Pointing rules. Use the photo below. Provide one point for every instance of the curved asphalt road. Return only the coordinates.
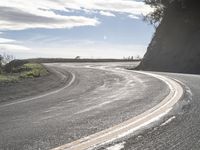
(178, 131)
(97, 97)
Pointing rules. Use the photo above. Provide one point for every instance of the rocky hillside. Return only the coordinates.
(175, 46)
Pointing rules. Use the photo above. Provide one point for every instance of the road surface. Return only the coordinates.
(97, 97)
(178, 131)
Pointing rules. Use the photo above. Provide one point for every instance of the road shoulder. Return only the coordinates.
(14, 91)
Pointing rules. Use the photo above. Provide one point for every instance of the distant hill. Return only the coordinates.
(70, 60)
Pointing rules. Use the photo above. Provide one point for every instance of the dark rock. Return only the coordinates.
(175, 46)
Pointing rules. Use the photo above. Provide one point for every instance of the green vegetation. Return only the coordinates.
(27, 70)
(8, 78)
(32, 70)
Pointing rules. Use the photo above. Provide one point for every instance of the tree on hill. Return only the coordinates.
(5, 59)
(1, 58)
(163, 7)
(77, 57)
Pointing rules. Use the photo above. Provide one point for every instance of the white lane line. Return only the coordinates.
(120, 130)
(43, 95)
(168, 121)
(118, 146)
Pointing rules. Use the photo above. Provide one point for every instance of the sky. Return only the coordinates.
(70, 28)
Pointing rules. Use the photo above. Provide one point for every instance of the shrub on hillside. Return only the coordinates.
(14, 65)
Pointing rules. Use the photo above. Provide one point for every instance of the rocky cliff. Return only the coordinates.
(175, 46)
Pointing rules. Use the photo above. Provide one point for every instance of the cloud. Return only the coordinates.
(13, 47)
(19, 15)
(106, 13)
(133, 17)
(118, 6)
(4, 40)
(25, 14)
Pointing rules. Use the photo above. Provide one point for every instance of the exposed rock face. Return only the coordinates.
(175, 46)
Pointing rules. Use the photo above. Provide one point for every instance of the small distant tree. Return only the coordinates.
(1, 58)
(138, 57)
(77, 57)
(6, 58)
(132, 58)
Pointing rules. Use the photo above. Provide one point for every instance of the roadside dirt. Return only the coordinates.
(32, 87)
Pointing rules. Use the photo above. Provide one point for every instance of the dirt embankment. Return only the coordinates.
(175, 46)
(33, 86)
